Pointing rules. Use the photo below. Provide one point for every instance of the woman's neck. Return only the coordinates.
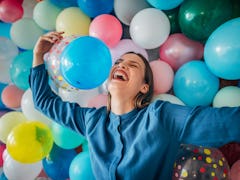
(121, 106)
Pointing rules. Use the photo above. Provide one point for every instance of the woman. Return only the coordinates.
(132, 138)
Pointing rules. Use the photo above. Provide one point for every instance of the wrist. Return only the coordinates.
(37, 59)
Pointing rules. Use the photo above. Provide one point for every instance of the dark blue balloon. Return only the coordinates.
(56, 164)
(93, 8)
(85, 63)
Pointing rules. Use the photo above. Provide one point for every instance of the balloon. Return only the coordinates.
(8, 121)
(81, 97)
(168, 97)
(198, 162)
(2, 86)
(173, 18)
(25, 33)
(221, 52)
(228, 96)
(231, 151)
(124, 46)
(149, 28)
(29, 110)
(165, 5)
(29, 142)
(198, 19)
(45, 15)
(235, 170)
(94, 8)
(56, 164)
(179, 49)
(5, 29)
(82, 68)
(28, 7)
(72, 21)
(2, 148)
(10, 11)
(15, 170)
(98, 101)
(61, 136)
(80, 167)
(106, 23)
(236, 8)
(4, 69)
(20, 69)
(8, 49)
(64, 3)
(194, 84)
(162, 76)
(11, 96)
(126, 9)
(52, 61)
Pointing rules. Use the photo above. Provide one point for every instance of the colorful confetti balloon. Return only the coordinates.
(197, 162)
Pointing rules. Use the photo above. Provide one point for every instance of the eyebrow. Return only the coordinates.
(131, 61)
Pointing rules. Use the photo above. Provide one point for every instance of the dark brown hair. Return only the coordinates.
(141, 99)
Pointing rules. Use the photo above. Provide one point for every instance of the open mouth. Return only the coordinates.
(120, 75)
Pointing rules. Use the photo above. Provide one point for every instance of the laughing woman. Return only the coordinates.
(133, 137)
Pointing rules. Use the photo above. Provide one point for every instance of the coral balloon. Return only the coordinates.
(98, 101)
(221, 52)
(72, 21)
(11, 96)
(162, 76)
(149, 28)
(10, 11)
(179, 49)
(235, 170)
(29, 142)
(106, 23)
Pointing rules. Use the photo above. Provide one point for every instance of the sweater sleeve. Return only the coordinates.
(47, 102)
(202, 125)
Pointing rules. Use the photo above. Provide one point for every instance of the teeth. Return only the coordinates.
(119, 75)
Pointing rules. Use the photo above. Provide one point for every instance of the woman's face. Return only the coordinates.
(127, 75)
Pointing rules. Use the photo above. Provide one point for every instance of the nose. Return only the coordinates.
(122, 65)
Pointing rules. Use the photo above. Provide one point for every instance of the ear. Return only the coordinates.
(144, 88)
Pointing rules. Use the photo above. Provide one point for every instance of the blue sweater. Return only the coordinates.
(143, 143)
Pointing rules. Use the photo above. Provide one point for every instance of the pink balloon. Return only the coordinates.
(98, 101)
(11, 96)
(107, 28)
(126, 45)
(163, 76)
(179, 49)
(235, 171)
(10, 11)
(2, 148)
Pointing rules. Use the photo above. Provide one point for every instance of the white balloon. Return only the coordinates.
(30, 111)
(81, 97)
(8, 49)
(168, 97)
(15, 170)
(150, 28)
(126, 9)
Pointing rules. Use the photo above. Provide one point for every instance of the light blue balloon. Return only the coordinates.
(93, 8)
(80, 167)
(222, 50)
(64, 3)
(165, 5)
(85, 63)
(194, 84)
(5, 29)
(20, 69)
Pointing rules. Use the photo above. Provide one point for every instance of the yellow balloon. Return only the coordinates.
(30, 142)
(8, 121)
(73, 22)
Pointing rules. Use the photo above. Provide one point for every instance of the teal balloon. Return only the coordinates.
(222, 50)
(199, 18)
(85, 63)
(65, 137)
(20, 69)
(194, 84)
(165, 5)
(80, 167)
(5, 29)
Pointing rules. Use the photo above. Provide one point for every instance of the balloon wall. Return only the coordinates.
(192, 46)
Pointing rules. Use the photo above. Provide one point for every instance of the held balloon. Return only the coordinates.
(85, 62)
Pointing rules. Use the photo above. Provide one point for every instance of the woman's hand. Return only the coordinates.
(44, 44)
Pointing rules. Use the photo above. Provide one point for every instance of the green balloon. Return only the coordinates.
(173, 18)
(236, 8)
(199, 18)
